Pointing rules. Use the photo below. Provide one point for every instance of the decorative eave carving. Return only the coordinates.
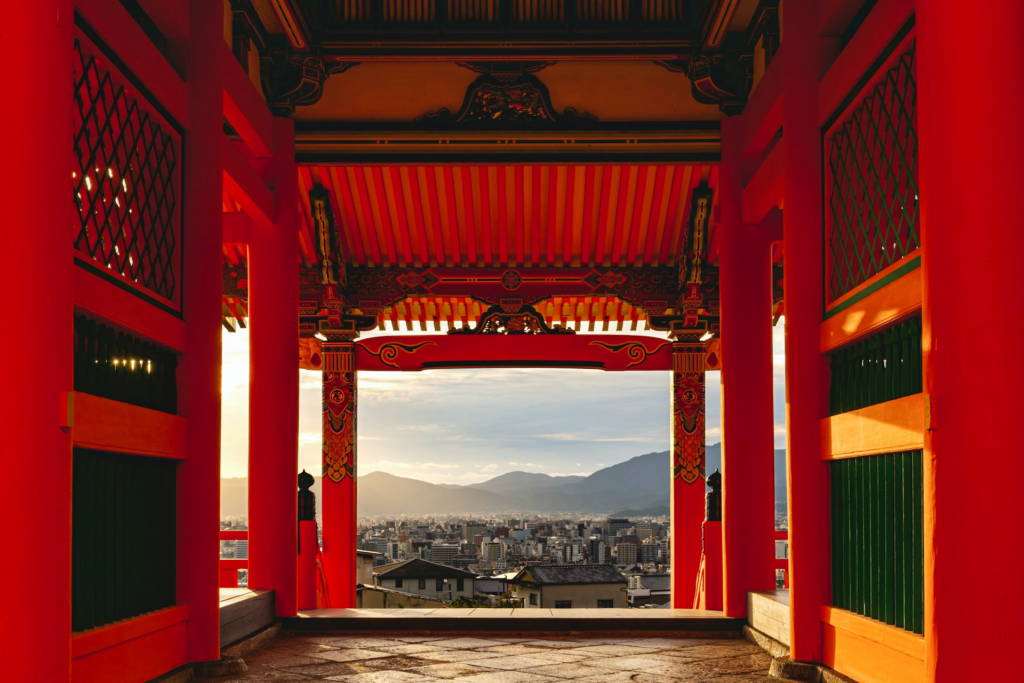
(373, 289)
(723, 79)
(521, 320)
(332, 264)
(507, 100)
(294, 79)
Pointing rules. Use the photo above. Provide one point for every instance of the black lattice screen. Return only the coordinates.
(872, 219)
(126, 179)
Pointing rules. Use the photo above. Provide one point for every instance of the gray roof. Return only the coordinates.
(656, 582)
(421, 569)
(570, 574)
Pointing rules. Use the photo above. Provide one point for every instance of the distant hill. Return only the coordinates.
(638, 487)
(524, 480)
(657, 511)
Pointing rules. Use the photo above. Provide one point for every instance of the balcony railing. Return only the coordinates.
(230, 566)
(782, 559)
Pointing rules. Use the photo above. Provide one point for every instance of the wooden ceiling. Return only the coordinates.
(507, 215)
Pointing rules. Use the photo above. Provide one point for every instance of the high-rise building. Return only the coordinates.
(443, 553)
(614, 525)
(625, 553)
(492, 552)
(649, 552)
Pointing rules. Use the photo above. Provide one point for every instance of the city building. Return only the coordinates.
(625, 552)
(428, 579)
(570, 587)
(444, 553)
(649, 590)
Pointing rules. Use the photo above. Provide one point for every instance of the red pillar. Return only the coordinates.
(36, 215)
(687, 468)
(748, 469)
(306, 565)
(274, 383)
(338, 496)
(199, 371)
(806, 368)
(971, 150)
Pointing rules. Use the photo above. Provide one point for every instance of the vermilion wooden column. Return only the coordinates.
(748, 470)
(274, 383)
(971, 152)
(338, 497)
(806, 368)
(36, 218)
(198, 553)
(687, 467)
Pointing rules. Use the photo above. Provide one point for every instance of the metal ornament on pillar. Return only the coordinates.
(688, 359)
(339, 410)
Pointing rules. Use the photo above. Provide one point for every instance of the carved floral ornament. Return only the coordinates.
(502, 320)
(503, 100)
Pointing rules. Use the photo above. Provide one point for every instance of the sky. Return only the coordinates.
(466, 426)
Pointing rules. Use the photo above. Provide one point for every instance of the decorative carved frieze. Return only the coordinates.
(500, 99)
(372, 289)
(496, 320)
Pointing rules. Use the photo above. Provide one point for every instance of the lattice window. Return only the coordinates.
(872, 218)
(126, 180)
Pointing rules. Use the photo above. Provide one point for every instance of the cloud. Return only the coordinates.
(492, 466)
(525, 464)
(310, 437)
(563, 436)
(390, 464)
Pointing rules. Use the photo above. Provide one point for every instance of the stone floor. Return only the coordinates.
(422, 659)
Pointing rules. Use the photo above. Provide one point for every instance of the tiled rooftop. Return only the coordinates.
(423, 659)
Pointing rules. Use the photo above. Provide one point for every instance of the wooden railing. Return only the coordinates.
(229, 566)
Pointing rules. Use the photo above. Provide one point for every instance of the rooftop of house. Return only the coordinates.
(656, 582)
(420, 569)
(569, 575)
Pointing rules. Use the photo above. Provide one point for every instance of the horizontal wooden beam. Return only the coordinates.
(105, 425)
(887, 298)
(625, 142)
(861, 55)
(130, 43)
(244, 107)
(764, 191)
(762, 117)
(870, 651)
(244, 184)
(123, 631)
(890, 427)
(115, 304)
(583, 351)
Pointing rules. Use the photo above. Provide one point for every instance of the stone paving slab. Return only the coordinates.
(297, 656)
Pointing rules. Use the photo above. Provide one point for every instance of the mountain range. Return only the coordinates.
(638, 487)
